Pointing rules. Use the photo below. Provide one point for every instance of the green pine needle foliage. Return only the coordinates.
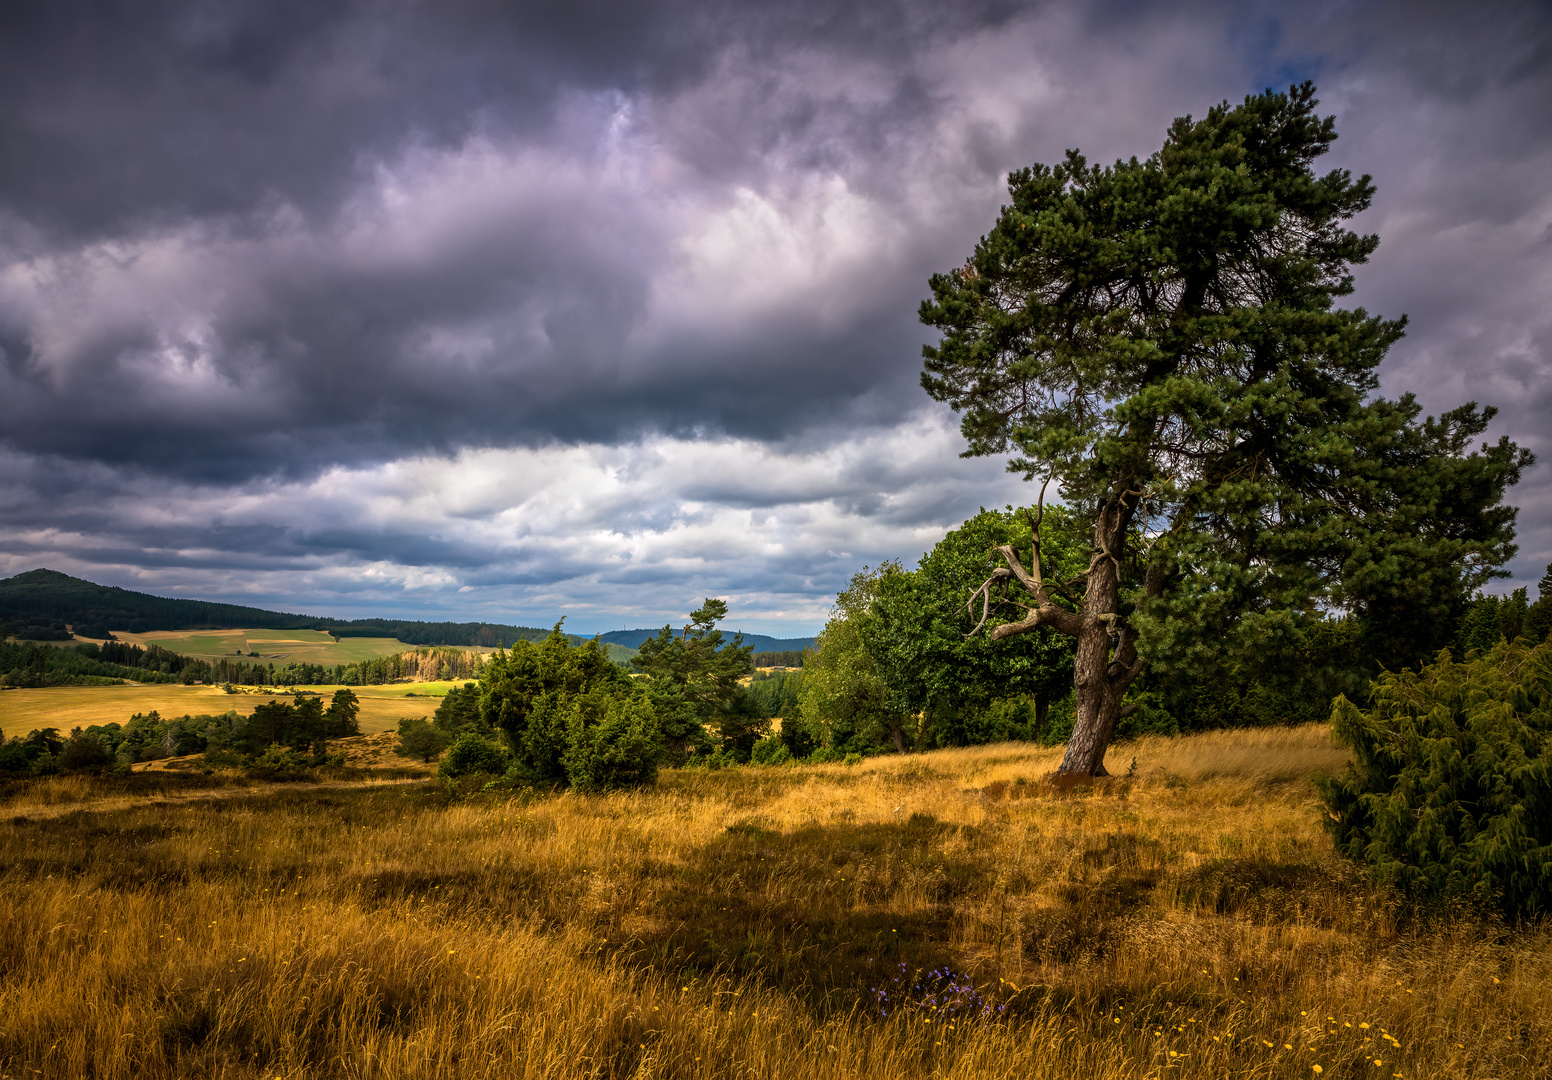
(471, 754)
(1449, 793)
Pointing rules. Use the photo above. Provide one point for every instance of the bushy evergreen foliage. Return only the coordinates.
(1487, 618)
(697, 677)
(460, 711)
(471, 754)
(530, 693)
(418, 738)
(770, 751)
(1291, 680)
(615, 742)
(1450, 790)
(778, 693)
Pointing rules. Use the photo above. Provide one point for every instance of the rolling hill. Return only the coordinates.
(43, 598)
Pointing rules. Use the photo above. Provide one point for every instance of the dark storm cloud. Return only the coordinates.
(211, 190)
(346, 299)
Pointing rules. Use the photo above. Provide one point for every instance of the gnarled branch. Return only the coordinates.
(1044, 611)
(985, 593)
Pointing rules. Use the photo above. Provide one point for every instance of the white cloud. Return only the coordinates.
(637, 532)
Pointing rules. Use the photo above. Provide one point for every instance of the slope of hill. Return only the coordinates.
(41, 597)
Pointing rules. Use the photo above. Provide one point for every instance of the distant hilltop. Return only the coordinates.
(41, 602)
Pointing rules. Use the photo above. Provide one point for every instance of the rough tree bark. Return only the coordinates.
(1106, 661)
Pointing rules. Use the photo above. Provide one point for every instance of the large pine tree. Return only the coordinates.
(1160, 338)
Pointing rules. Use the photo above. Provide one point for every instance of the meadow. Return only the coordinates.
(950, 914)
(67, 707)
(291, 646)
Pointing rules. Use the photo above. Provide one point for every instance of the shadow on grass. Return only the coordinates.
(810, 911)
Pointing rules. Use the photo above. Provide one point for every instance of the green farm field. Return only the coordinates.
(67, 707)
(300, 646)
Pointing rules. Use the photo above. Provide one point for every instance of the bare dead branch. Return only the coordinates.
(985, 593)
(1034, 584)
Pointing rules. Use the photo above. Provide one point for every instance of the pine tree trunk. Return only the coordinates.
(1097, 698)
(1098, 707)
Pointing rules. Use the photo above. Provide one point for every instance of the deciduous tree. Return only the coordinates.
(917, 630)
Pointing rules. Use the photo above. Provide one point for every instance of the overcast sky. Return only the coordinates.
(594, 308)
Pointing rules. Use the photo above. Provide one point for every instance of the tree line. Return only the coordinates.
(561, 713)
(277, 735)
(30, 664)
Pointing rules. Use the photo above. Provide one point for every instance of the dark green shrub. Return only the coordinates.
(615, 743)
(1450, 790)
(528, 693)
(277, 763)
(84, 753)
(770, 751)
(460, 711)
(471, 754)
(222, 759)
(419, 738)
(13, 758)
(708, 759)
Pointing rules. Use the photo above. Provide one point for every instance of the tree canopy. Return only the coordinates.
(533, 692)
(918, 621)
(696, 682)
(1160, 338)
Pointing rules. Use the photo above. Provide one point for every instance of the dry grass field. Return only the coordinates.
(67, 707)
(1189, 920)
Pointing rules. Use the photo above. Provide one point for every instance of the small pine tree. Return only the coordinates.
(1450, 789)
(341, 717)
(1538, 622)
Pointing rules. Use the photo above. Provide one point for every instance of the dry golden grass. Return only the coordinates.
(1187, 921)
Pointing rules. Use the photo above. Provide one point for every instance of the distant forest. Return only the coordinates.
(779, 658)
(39, 604)
(34, 664)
